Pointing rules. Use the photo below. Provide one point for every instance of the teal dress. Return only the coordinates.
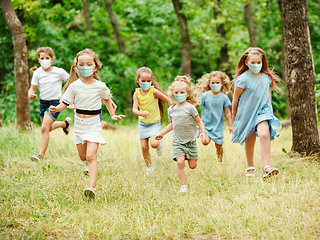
(213, 115)
(254, 107)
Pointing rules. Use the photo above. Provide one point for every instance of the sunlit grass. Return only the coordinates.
(44, 199)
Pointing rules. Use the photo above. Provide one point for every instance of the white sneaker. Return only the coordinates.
(149, 170)
(183, 188)
(160, 149)
(90, 193)
(86, 171)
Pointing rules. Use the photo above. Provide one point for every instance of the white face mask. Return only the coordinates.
(45, 63)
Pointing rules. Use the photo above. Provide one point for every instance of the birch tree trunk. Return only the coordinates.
(20, 64)
(250, 24)
(185, 39)
(299, 70)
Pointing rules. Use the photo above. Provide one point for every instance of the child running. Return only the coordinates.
(86, 94)
(150, 99)
(213, 88)
(183, 120)
(49, 80)
(252, 110)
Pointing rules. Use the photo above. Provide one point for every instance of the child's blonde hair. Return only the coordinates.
(154, 83)
(191, 90)
(242, 67)
(204, 82)
(47, 50)
(95, 56)
(72, 77)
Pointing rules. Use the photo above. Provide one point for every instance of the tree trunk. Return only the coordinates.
(224, 64)
(114, 23)
(20, 64)
(250, 25)
(299, 70)
(185, 40)
(282, 64)
(87, 14)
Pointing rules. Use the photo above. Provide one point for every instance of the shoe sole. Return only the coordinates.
(35, 159)
(273, 172)
(89, 194)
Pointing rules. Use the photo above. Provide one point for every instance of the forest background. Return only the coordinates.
(151, 37)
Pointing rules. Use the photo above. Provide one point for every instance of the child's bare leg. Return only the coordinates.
(180, 166)
(219, 152)
(192, 163)
(58, 124)
(265, 144)
(91, 158)
(153, 142)
(249, 149)
(145, 151)
(205, 140)
(47, 122)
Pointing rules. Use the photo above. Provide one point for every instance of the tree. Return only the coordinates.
(114, 23)
(20, 64)
(250, 24)
(185, 40)
(87, 14)
(299, 70)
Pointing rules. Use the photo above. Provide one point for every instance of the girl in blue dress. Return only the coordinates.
(213, 88)
(252, 110)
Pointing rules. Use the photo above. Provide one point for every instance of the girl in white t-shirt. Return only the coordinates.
(86, 94)
(49, 80)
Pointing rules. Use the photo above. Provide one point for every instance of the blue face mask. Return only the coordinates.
(255, 68)
(215, 87)
(145, 85)
(85, 71)
(180, 97)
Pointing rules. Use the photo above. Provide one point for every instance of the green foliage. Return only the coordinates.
(151, 34)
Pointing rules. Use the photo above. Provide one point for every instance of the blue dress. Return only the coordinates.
(213, 115)
(254, 107)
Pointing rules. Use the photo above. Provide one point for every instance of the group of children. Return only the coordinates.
(251, 116)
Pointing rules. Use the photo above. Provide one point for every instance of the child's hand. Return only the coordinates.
(32, 96)
(52, 109)
(116, 117)
(145, 114)
(230, 129)
(159, 136)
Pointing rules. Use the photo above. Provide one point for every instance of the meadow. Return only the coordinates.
(44, 200)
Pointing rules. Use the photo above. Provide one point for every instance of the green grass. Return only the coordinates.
(44, 200)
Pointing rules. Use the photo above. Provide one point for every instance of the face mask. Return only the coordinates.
(85, 71)
(45, 63)
(180, 97)
(255, 68)
(145, 85)
(215, 87)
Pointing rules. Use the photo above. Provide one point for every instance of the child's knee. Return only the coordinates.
(180, 164)
(264, 135)
(145, 148)
(91, 157)
(193, 164)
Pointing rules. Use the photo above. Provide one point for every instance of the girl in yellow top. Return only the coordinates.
(148, 103)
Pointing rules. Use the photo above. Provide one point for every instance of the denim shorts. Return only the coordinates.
(44, 108)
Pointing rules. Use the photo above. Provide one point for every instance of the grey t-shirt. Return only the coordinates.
(185, 128)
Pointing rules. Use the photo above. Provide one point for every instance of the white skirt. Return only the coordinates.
(87, 129)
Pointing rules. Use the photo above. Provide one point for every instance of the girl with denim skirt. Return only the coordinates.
(49, 80)
(86, 94)
(148, 104)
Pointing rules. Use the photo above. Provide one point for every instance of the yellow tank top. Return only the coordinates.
(150, 104)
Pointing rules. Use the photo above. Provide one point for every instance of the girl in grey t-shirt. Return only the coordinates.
(184, 121)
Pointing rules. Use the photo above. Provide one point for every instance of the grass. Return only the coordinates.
(44, 200)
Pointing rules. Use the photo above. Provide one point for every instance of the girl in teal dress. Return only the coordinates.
(252, 110)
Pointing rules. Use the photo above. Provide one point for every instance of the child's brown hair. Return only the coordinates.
(47, 50)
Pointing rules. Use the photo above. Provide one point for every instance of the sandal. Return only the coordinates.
(271, 172)
(90, 193)
(66, 128)
(250, 174)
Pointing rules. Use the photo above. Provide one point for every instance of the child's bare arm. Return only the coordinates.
(135, 109)
(163, 97)
(164, 131)
(32, 92)
(229, 118)
(108, 102)
(59, 108)
(237, 93)
(201, 125)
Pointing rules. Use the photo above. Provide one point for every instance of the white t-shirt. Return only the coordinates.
(86, 96)
(49, 83)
